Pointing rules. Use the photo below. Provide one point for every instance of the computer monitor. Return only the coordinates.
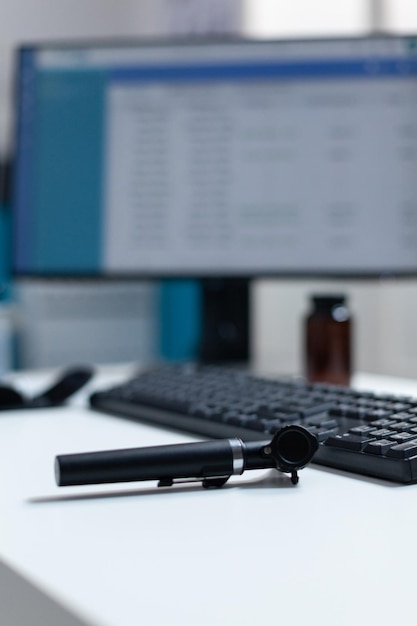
(221, 160)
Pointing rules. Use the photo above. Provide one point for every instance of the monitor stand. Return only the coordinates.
(225, 320)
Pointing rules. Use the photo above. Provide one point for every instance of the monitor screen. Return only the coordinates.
(234, 158)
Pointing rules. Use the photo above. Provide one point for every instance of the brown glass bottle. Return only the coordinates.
(328, 330)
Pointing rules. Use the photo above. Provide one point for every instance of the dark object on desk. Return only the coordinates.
(10, 398)
(211, 462)
(370, 434)
(328, 329)
(67, 384)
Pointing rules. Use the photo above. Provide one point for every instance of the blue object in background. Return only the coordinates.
(5, 251)
(59, 182)
(180, 321)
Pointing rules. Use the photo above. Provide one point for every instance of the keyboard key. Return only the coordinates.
(322, 433)
(402, 426)
(346, 410)
(376, 414)
(284, 417)
(321, 420)
(314, 410)
(400, 437)
(257, 425)
(205, 411)
(378, 447)
(382, 423)
(403, 415)
(395, 407)
(348, 441)
(383, 433)
(403, 450)
(235, 417)
(362, 430)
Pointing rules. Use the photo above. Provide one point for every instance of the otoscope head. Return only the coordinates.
(292, 447)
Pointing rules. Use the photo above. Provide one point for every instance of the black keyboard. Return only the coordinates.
(362, 432)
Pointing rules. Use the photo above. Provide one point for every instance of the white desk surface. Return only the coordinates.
(335, 549)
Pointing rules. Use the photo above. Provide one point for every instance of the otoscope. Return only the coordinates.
(211, 462)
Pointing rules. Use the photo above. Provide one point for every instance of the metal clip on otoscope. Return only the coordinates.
(211, 462)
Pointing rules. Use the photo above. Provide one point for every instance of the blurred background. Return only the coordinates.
(46, 324)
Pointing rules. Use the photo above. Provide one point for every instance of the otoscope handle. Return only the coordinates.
(198, 460)
(212, 462)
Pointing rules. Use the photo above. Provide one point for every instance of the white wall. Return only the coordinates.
(297, 18)
(401, 15)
